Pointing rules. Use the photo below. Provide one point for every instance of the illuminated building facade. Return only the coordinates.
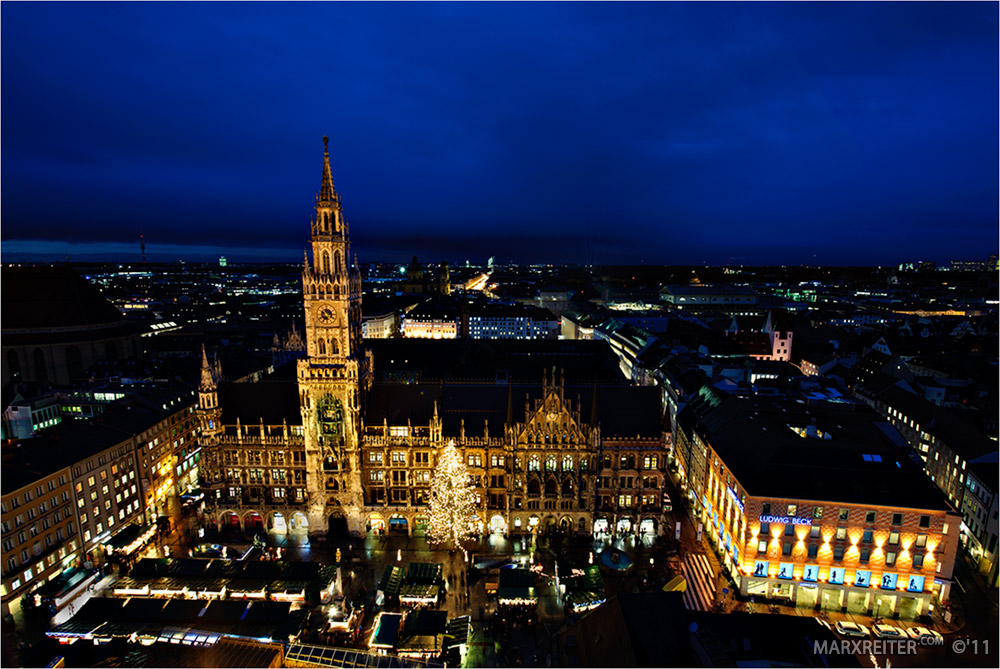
(380, 326)
(429, 321)
(108, 495)
(96, 478)
(39, 528)
(497, 321)
(332, 450)
(818, 505)
(575, 458)
(950, 450)
(701, 295)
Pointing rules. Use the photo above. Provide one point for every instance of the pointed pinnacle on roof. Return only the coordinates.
(207, 382)
(326, 190)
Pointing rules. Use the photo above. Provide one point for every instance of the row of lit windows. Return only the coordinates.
(844, 515)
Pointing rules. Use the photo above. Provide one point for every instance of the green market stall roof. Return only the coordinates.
(303, 655)
(424, 573)
(392, 579)
(417, 593)
(458, 632)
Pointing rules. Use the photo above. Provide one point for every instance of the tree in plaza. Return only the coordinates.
(452, 505)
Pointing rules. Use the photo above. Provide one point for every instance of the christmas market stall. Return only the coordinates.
(517, 588)
(422, 634)
(385, 632)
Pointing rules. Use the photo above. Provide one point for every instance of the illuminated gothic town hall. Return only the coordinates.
(553, 436)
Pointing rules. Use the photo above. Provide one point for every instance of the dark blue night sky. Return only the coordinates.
(670, 133)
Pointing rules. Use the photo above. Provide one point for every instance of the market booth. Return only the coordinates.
(585, 588)
(391, 582)
(125, 544)
(422, 634)
(385, 632)
(517, 587)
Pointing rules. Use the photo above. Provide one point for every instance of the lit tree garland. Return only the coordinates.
(452, 506)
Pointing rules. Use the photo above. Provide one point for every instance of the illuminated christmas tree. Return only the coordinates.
(452, 506)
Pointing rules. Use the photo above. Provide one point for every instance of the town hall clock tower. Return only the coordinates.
(335, 375)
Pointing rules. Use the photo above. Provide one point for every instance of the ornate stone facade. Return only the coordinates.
(334, 451)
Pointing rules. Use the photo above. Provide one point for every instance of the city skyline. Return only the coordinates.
(842, 134)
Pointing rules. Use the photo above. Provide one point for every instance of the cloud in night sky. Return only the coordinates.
(609, 133)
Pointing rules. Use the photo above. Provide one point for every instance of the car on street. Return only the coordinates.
(209, 551)
(920, 633)
(845, 628)
(883, 631)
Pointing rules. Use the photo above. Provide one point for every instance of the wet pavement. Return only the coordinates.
(502, 638)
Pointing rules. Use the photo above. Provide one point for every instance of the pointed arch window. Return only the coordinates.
(334, 348)
(39, 363)
(567, 464)
(336, 291)
(326, 262)
(14, 364)
(550, 463)
(336, 261)
(322, 347)
(534, 463)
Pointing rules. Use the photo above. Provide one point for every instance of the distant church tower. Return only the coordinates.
(335, 375)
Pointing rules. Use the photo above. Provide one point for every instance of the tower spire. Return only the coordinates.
(326, 190)
(207, 382)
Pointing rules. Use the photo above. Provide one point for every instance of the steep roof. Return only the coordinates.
(622, 411)
(270, 401)
(52, 297)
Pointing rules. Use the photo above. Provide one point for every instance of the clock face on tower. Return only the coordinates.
(327, 315)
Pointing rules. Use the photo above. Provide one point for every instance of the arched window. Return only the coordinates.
(13, 365)
(534, 463)
(322, 346)
(550, 463)
(567, 463)
(326, 222)
(73, 365)
(41, 369)
(336, 291)
(326, 262)
(550, 487)
(534, 487)
(334, 348)
(336, 261)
